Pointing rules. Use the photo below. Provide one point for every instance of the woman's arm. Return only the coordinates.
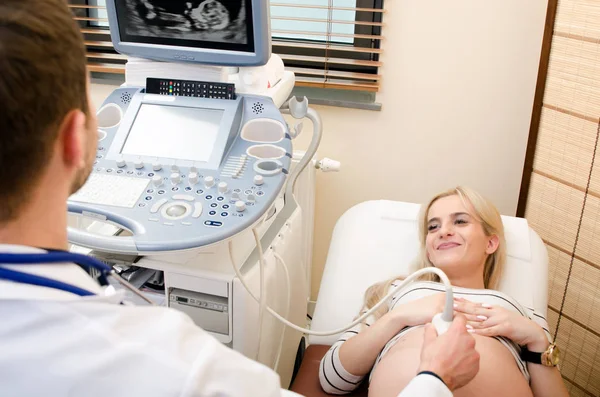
(545, 381)
(358, 354)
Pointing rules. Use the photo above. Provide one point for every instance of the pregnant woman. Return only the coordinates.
(462, 234)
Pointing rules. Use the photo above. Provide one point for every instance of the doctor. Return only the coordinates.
(58, 343)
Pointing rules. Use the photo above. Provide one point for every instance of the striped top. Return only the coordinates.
(336, 380)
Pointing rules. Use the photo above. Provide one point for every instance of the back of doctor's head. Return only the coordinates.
(42, 78)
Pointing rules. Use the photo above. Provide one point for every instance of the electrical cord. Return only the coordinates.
(280, 260)
(263, 293)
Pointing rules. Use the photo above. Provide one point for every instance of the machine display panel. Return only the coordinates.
(211, 24)
(182, 133)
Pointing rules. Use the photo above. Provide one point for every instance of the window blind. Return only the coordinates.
(563, 187)
(326, 43)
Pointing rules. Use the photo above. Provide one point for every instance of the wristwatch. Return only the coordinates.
(548, 358)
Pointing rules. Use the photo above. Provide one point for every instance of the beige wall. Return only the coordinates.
(457, 93)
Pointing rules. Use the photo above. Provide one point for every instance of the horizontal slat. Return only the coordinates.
(99, 43)
(337, 84)
(334, 73)
(305, 33)
(335, 61)
(95, 31)
(589, 39)
(86, 6)
(106, 68)
(333, 21)
(572, 113)
(329, 47)
(90, 19)
(323, 7)
(102, 55)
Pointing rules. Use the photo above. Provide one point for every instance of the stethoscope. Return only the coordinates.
(55, 256)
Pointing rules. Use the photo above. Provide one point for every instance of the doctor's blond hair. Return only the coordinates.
(489, 217)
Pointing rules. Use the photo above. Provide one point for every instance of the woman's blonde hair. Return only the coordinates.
(489, 217)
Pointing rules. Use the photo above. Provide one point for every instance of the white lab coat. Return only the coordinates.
(53, 343)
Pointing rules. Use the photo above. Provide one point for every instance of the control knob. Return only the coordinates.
(240, 206)
(259, 180)
(251, 198)
(157, 180)
(157, 166)
(175, 178)
(209, 181)
(138, 164)
(235, 196)
(193, 178)
(174, 168)
(223, 187)
(121, 162)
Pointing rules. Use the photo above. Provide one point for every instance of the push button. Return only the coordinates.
(157, 205)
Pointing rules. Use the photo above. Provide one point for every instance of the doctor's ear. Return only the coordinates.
(72, 139)
(492, 244)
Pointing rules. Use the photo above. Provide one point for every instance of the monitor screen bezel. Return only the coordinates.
(227, 128)
(256, 51)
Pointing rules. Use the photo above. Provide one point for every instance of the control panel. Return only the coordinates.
(197, 89)
(182, 172)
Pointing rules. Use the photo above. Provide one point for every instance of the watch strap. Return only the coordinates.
(531, 357)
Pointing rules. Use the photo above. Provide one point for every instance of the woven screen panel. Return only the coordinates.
(563, 203)
(573, 81)
(564, 147)
(553, 210)
(578, 17)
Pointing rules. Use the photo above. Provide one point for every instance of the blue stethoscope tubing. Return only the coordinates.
(59, 257)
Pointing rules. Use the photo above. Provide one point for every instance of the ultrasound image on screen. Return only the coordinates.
(217, 21)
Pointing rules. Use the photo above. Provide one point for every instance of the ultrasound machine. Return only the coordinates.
(196, 185)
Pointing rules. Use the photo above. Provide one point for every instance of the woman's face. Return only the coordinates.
(456, 242)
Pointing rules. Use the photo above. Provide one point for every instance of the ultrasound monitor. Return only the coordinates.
(212, 32)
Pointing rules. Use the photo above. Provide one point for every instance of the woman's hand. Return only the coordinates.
(488, 320)
(420, 311)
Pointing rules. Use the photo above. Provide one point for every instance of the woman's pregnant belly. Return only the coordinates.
(498, 375)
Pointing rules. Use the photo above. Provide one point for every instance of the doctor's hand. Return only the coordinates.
(452, 355)
(488, 320)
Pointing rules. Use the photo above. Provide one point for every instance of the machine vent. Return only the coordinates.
(258, 108)
(125, 97)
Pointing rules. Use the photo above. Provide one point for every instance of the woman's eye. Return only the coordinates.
(432, 227)
(461, 221)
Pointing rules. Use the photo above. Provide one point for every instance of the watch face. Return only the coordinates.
(552, 356)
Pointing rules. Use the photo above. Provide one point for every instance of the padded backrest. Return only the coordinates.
(377, 240)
